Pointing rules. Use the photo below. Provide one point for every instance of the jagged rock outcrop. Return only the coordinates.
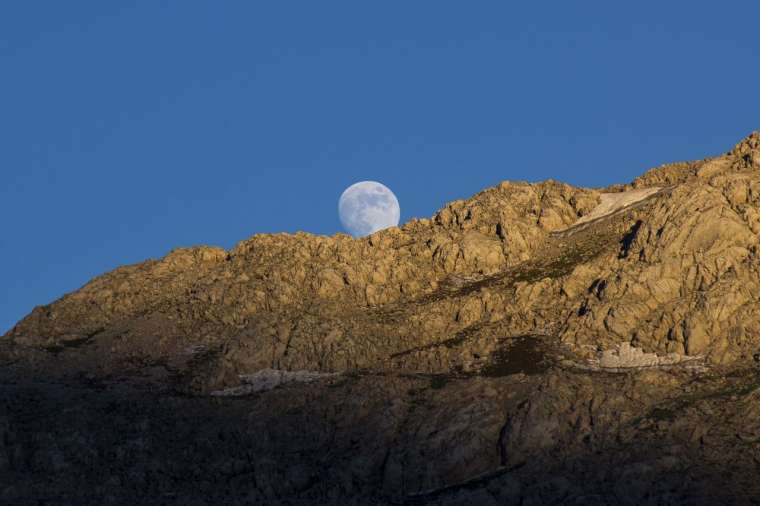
(503, 351)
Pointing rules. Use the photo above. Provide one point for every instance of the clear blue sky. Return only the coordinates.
(130, 128)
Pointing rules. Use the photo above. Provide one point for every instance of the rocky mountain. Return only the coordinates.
(533, 344)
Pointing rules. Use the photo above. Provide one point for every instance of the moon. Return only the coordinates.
(366, 207)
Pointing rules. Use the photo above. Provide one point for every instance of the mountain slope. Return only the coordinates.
(501, 351)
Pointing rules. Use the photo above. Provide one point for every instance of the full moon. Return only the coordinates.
(366, 207)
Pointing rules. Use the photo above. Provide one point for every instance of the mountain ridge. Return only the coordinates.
(496, 229)
(507, 349)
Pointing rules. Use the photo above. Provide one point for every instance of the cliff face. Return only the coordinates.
(500, 351)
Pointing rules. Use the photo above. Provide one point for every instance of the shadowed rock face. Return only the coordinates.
(536, 343)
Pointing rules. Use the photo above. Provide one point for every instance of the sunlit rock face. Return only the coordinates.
(533, 344)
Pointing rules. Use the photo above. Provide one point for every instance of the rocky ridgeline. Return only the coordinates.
(535, 342)
(677, 274)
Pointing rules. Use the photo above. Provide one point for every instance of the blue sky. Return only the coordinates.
(128, 130)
